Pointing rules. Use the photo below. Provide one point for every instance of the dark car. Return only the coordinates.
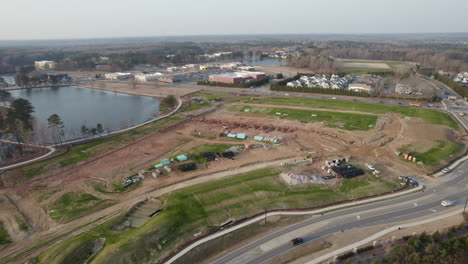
(297, 241)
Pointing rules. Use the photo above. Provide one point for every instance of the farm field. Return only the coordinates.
(369, 66)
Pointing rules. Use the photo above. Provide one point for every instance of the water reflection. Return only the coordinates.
(82, 106)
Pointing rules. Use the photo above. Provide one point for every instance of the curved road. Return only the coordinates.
(453, 187)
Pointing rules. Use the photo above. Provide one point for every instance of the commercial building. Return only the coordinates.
(403, 89)
(230, 66)
(46, 65)
(148, 77)
(360, 87)
(246, 68)
(237, 77)
(117, 75)
(208, 67)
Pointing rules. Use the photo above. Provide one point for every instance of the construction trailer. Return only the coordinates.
(241, 136)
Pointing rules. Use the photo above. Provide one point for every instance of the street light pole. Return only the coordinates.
(464, 209)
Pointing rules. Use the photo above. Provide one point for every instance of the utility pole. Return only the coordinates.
(464, 209)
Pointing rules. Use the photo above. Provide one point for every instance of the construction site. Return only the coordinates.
(215, 140)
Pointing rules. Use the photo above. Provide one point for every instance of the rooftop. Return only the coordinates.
(239, 74)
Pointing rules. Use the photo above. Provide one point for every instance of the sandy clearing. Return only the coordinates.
(366, 65)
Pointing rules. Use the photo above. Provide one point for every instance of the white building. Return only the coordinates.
(45, 64)
(321, 81)
(117, 75)
(360, 87)
(148, 77)
(246, 68)
(403, 89)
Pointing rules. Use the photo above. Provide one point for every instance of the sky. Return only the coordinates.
(62, 19)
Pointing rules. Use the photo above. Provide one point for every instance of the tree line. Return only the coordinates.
(254, 83)
(16, 121)
(430, 249)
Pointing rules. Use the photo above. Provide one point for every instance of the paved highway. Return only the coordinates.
(453, 186)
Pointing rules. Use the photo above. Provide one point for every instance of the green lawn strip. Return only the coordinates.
(445, 150)
(202, 207)
(87, 151)
(4, 236)
(429, 115)
(347, 121)
(211, 95)
(72, 205)
(196, 106)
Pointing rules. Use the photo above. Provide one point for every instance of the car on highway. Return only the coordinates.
(447, 203)
(446, 170)
(296, 241)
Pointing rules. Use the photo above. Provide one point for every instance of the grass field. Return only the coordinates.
(196, 106)
(389, 63)
(347, 121)
(444, 150)
(201, 208)
(89, 150)
(72, 205)
(359, 71)
(4, 237)
(211, 94)
(429, 115)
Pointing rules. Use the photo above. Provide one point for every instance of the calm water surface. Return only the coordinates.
(79, 106)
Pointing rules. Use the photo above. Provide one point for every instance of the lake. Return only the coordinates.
(266, 62)
(79, 106)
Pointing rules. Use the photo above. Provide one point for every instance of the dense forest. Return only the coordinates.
(315, 55)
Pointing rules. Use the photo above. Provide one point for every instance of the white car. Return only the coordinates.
(446, 170)
(370, 167)
(447, 203)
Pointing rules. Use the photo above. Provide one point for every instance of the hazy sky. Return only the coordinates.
(46, 19)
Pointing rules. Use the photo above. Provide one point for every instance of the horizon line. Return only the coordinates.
(233, 35)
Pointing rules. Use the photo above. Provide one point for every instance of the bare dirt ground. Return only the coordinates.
(374, 146)
(366, 65)
(155, 90)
